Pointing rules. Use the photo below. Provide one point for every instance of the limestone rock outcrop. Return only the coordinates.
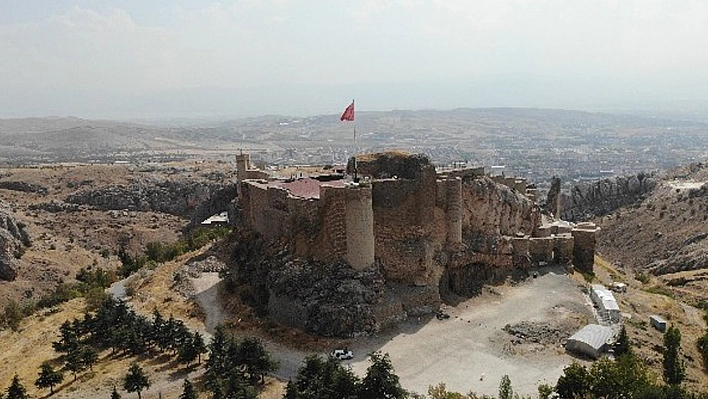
(184, 198)
(13, 239)
(601, 197)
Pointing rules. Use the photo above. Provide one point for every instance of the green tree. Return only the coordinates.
(48, 377)
(12, 315)
(380, 380)
(545, 391)
(622, 346)
(218, 364)
(674, 366)
(89, 356)
(322, 379)
(16, 390)
(626, 377)
(74, 360)
(505, 389)
(255, 359)
(188, 391)
(574, 383)
(199, 346)
(440, 392)
(136, 380)
(237, 388)
(115, 394)
(702, 345)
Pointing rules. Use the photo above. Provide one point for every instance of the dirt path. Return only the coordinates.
(206, 290)
(206, 293)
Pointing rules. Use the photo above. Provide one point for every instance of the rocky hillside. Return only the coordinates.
(184, 198)
(78, 216)
(13, 241)
(666, 233)
(601, 197)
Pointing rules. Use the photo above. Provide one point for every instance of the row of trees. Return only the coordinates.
(116, 327)
(233, 368)
(328, 379)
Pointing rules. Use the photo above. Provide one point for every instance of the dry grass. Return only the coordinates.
(637, 305)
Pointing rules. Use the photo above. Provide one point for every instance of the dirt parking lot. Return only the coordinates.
(471, 351)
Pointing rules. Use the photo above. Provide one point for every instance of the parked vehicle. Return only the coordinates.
(441, 315)
(342, 354)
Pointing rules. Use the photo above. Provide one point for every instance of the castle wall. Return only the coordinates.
(563, 248)
(584, 246)
(359, 227)
(332, 243)
(265, 209)
(408, 228)
(449, 200)
(303, 225)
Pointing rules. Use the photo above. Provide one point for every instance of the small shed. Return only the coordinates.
(658, 322)
(592, 340)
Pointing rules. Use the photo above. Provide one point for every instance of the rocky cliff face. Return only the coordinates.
(328, 299)
(666, 232)
(13, 239)
(189, 199)
(604, 196)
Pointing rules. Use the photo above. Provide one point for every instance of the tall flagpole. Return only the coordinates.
(356, 179)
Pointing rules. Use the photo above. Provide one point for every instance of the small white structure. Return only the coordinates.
(607, 306)
(619, 287)
(591, 340)
(658, 322)
(221, 219)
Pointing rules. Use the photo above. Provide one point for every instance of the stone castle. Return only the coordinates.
(430, 233)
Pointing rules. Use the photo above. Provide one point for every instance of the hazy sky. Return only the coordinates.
(144, 58)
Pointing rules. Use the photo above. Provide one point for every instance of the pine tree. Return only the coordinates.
(255, 359)
(73, 361)
(199, 346)
(505, 390)
(16, 390)
(115, 394)
(188, 391)
(187, 352)
(380, 380)
(674, 366)
(136, 380)
(575, 382)
(48, 377)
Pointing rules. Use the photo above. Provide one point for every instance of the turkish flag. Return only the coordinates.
(348, 114)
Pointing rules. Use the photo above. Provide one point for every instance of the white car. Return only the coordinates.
(342, 354)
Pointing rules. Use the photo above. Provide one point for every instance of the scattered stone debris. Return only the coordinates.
(535, 332)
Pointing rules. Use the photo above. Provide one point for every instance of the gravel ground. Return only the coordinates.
(469, 351)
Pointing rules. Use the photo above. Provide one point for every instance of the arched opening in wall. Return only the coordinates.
(553, 257)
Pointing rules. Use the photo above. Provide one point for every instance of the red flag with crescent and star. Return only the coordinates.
(348, 114)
